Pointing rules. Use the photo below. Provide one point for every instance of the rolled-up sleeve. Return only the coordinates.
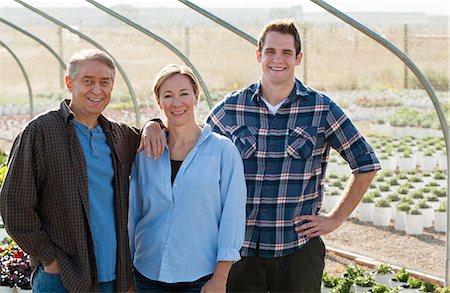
(345, 138)
(233, 194)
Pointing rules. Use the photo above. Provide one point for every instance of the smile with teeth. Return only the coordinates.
(95, 100)
(277, 68)
(178, 112)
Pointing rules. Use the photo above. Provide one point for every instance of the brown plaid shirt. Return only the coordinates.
(44, 198)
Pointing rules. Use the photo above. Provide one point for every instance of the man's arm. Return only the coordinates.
(19, 196)
(152, 138)
(325, 223)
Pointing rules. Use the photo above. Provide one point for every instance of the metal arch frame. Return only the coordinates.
(61, 62)
(160, 40)
(86, 38)
(25, 75)
(405, 59)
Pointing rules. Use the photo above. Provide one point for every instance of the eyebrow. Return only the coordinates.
(90, 76)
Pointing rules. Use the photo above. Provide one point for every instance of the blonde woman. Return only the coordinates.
(187, 208)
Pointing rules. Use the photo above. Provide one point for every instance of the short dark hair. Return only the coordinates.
(284, 26)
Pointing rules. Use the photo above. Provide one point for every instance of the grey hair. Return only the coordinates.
(89, 54)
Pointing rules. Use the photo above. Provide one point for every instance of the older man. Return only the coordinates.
(64, 199)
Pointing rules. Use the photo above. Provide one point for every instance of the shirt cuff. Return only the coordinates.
(228, 254)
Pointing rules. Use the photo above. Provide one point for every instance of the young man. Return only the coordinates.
(284, 132)
(64, 199)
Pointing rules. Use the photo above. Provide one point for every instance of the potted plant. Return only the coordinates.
(427, 212)
(382, 212)
(363, 283)
(328, 282)
(433, 201)
(428, 287)
(401, 277)
(400, 215)
(383, 273)
(412, 285)
(365, 208)
(344, 285)
(353, 271)
(440, 218)
(381, 288)
(414, 222)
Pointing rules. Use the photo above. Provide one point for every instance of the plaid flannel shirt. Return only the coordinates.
(285, 158)
(44, 198)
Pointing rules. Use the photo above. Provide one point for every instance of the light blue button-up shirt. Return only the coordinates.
(100, 173)
(178, 233)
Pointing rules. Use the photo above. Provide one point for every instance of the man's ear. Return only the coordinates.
(68, 83)
(258, 55)
(299, 58)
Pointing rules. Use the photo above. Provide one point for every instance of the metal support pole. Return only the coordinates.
(162, 41)
(86, 38)
(429, 89)
(406, 49)
(25, 75)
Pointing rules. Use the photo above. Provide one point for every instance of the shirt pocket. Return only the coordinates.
(244, 137)
(301, 142)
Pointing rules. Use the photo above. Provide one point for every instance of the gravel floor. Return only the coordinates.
(424, 253)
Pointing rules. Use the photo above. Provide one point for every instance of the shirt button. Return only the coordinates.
(266, 188)
(272, 147)
(269, 167)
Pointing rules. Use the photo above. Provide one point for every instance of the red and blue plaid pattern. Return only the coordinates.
(285, 158)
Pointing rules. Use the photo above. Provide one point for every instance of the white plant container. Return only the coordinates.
(427, 163)
(330, 202)
(382, 216)
(428, 217)
(399, 220)
(405, 164)
(440, 221)
(414, 224)
(365, 211)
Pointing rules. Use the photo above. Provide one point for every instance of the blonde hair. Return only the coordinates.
(284, 26)
(89, 54)
(169, 71)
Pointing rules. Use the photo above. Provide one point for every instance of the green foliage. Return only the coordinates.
(414, 283)
(328, 280)
(393, 197)
(381, 288)
(414, 211)
(402, 275)
(365, 281)
(403, 207)
(423, 205)
(344, 285)
(442, 208)
(2, 174)
(354, 271)
(428, 287)
(383, 269)
(3, 158)
(383, 203)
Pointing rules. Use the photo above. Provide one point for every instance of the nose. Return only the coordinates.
(96, 89)
(176, 101)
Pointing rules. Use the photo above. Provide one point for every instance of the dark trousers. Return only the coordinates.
(300, 271)
(144, 284)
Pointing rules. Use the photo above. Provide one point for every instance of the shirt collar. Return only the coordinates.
(68, 116)
(204, 134)
(299, 91)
